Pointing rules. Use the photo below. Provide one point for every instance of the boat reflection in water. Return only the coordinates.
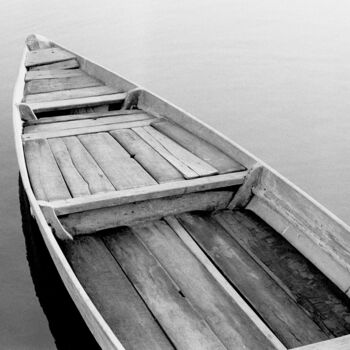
(67, 326)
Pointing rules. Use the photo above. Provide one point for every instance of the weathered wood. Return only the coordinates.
(262, 292)
(199, 147)
(95, 114)
(185, 328)
(71, 94)
(323, 301)
(82, 123)
(222, 281)
(145, 193)
(341, 343)
(187, 172)
(45, 56)
(225, 317)
(87, 167)
(32, 42)
(198, 165)
(53, 74)
(76, 102)
(26, 112)
(135, 213)
(113, 295)
(69, 64)
(75, 182)
(45, 176)
(245, 192)
(152, 161)
(123, 171)
(58, 84)
(87, 130)
(317, 233)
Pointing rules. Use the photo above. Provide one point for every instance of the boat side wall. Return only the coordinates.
(103, 334)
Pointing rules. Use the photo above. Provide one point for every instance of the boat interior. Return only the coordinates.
(146, 214)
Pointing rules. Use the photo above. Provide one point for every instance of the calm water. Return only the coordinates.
(273, 75)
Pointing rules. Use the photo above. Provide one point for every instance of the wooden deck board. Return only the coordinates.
(185, 328)
(58, 84)
(87, 167)
(45, 177)
(199, 147)
(86, 101)
(325, 303)
(82, 123)
(75, 182)
(123, 171)
(69, 64)
(113, 295)
(201, 167)
(225, 317)
(45, 56)
(151, 160)
(271, 302)
(187, 172)
(71, 94)
(53, 74)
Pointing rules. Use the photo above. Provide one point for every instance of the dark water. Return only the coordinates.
(273, 75)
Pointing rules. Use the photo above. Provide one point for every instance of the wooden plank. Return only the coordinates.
(76, 102)
(151, 160)
(145, 193)
(69, 64)
(324, 302)
(201, 148)
(80, 116)
(45, 177)
(113, 295)
(187, 172)
(45, 56)
(263, 293)
(26, 112)
(71, 94)
(58, 84)
(87, 167)
(185, 328)
(123, 171)
(228, 321)
(86, 130)
(134, 213)
(75, 182)
(317, 233)
(198, 165)
(83, 123)
(341, 343)
(222, 281)
(53, 74)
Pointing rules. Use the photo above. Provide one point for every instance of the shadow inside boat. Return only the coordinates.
(66, 325)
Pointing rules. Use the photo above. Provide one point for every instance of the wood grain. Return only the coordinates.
(276, 308)
(186, 329)
(45, 56)
(113, 295)
(123, 171)
(152, 161)
(225, 317)
(201, 148)
(69, 64)
(75, 182)
(53, 74)
(58, 84)
(134, 213)
(45, 177)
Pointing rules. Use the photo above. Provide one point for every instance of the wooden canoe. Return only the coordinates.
(166, 234)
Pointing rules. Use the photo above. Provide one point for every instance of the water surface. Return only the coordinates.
(273, 75)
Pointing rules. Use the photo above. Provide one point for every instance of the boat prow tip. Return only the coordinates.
(37, 41)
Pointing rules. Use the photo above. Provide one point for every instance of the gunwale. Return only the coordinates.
(96, 323)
